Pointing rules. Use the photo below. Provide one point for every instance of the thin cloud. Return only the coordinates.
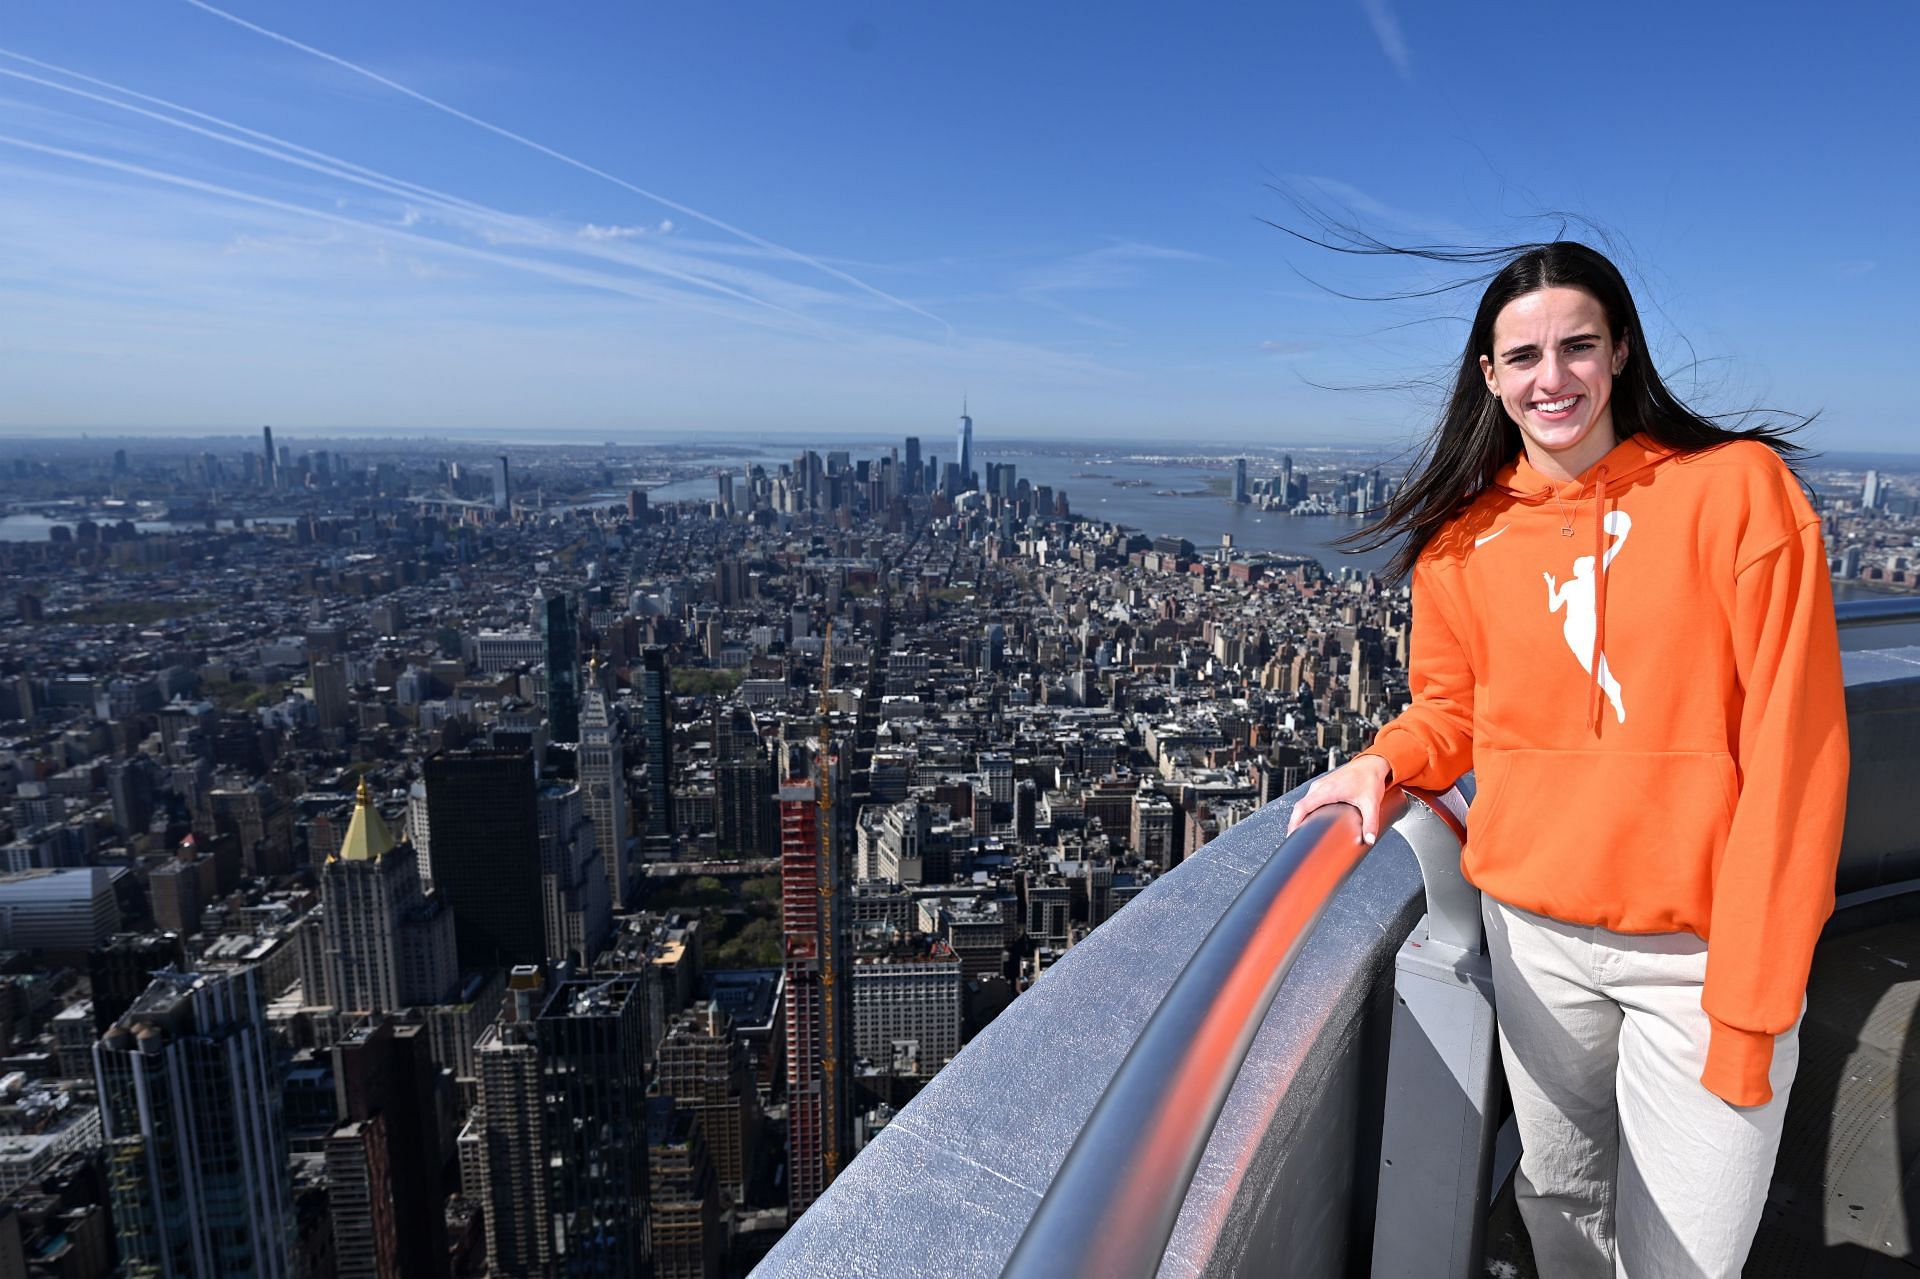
(495, 227)
(1113, 266)
(1386, 29)
(564, 158)
(95, 281)
(589, 279)
(592, 232)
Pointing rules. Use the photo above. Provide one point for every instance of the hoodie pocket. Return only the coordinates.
(1490, 772)
(1625, 840)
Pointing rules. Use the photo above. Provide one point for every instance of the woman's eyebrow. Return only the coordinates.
(1526, 347)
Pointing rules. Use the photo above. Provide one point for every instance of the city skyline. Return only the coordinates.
(593, 857)
(813, 222)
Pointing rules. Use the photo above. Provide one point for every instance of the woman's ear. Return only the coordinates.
(1486, 371)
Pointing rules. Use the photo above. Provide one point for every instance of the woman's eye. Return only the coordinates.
(1580, 346)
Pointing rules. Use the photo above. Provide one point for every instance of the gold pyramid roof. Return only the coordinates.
(368, 839)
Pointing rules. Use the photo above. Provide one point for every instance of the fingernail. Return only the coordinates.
(1369, 839)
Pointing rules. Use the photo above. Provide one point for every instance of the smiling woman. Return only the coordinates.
(1553, 370)
(1655, 854)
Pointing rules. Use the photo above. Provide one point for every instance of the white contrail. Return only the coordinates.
(532, 229)
(564, 158)
(333, 167)
(121, 89)
(571, 275)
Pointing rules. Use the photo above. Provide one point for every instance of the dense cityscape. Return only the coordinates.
(430, 858)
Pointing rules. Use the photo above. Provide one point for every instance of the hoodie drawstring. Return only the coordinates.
(1599, 598)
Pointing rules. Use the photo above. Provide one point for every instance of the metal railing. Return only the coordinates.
(1882, 612)
(1112, 1206)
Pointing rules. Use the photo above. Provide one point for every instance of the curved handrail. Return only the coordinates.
(1113, 1204)
(1883, 612)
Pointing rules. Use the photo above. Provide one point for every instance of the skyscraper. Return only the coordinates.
(743, 805)
(360, 1186)
(385, 1083)
(1870, 492)
(603, 781)
(915, 479)
(593, 1056)
(806, 1030)
(965, 458)
(993, 649)
(574, 893)
(560, 642)
(502, 490)
(656, 735)
(503, 1151)
(195, 1141)
(420, 831)
(270, 473)
(130, 785)
(1239, 479)
(486, 854)
(683, 1199)
(703, 1067)
(329, 679)
(904, 999)
(388, 944)
(1152, 830)
(809, 886)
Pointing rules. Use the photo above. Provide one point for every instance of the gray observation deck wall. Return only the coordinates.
(1286, 1183)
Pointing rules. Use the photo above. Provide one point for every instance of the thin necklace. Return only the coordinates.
(1566, 518)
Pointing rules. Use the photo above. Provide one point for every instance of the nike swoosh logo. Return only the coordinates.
(1481, 541)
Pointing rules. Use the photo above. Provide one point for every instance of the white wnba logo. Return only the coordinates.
(1577, 595)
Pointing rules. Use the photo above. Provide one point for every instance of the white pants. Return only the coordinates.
(1628, 1166)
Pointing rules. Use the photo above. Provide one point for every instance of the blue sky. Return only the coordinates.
(760, 217)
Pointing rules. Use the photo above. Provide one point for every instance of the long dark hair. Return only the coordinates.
(1475, 436)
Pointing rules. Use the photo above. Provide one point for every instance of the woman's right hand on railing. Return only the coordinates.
(1361, 781)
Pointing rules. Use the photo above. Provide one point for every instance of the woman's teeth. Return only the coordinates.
(1556, 406)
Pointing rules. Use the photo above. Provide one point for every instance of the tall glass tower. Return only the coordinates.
(593, 1049)
(656, 736)
(486, 843)
(196, 1142)
(964, 457)
(560, 636)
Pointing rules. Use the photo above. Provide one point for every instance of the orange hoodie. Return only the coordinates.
(1691, 778)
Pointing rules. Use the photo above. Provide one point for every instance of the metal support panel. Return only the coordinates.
(1439, 1124)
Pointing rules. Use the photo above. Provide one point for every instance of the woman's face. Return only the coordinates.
(1552, 366)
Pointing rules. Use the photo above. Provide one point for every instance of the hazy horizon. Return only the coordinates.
(932, 439)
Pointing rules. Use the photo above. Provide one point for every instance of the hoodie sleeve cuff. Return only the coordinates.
(1407, 757)
(1737, 1064)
